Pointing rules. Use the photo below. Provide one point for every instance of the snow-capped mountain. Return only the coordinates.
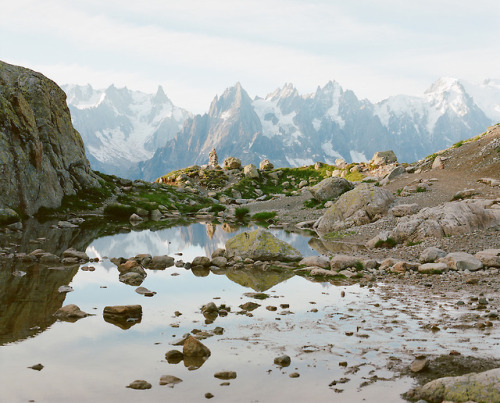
(292, 129)
(120, 127)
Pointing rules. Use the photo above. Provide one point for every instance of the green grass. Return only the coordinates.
(354, 176)
(421, 189)
(311, 203)
(217, 208)
(410, 243)
(264, 215)
(458, 144)
(388, 243)
(241, 212)
(498, 149)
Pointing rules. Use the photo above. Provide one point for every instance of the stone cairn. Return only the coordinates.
(213, 161)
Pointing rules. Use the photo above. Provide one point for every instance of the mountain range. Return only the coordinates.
(137, 135)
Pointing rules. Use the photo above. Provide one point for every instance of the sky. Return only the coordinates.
(196, 49)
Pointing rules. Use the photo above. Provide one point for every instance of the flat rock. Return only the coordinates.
(462, 261)
(317, 261)
(330, 188)
(139, 385)
(489, 257)
(225, 375)
(402, 210)
(433, 268)
(160, 262)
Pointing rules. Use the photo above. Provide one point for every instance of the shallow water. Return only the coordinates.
(93, 361)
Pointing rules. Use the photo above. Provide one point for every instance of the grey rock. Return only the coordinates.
(160, 262)
(361, 205)
(250, 171)
(283, 361)
(81, 256)
(41, 154)
(232, 163)
(266, 165)
(219, 261)
(402, 210)
(318, 261)
(431, 254)
(8, 216)
(489, 257)
(462, 261)
(201, 261)
(433, 268)
(453, 218)
(330, 188)
(383, 158)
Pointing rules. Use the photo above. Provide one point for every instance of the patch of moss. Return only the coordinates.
(120, 211)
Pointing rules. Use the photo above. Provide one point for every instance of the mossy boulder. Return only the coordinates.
(261, 245)
(481, 387)
(359, 206)
(8, 216)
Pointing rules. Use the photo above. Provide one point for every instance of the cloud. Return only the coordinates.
(197, 48)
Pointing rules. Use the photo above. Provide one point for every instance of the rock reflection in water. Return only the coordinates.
(326, 247)
(258, 280)
(29, 302)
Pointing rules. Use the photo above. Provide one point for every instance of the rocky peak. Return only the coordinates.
(160, 97)
(449, 93)
(42, 157)
(231, 101)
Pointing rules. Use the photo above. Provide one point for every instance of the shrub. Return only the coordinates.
(241, 212)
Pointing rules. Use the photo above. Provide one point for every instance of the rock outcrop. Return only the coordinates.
(453, 218)
(330, 188)
(42, 156)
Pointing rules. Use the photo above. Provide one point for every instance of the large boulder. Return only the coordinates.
(359, 206)
(250, 171)
(453, 218)
(330, 188)
(42, 157)
(266, 165)
(481, 387)
(232, 163)
(260, 245)
(383, 158)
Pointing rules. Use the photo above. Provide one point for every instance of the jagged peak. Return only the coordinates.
(160, 97)
(288, 90)
(231, 99)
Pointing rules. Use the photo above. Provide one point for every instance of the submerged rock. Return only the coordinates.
(70, 312)
(260, 245)
(139, 385)
(169, 380)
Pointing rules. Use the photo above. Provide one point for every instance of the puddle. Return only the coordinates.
(342, 340)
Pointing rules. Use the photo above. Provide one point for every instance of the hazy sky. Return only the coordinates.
(197, 48)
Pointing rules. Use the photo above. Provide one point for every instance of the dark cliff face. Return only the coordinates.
(42, 157)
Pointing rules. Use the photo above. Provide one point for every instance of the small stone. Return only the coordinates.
(249, 306)
(174, 356)
(139, 385)
(225, 375)
(283, 361)
(343, 364)
(169, 380)
(419, 364)
(209, 395)
(294, 375)
(195, 348)
(37, 367)
(271, 308)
